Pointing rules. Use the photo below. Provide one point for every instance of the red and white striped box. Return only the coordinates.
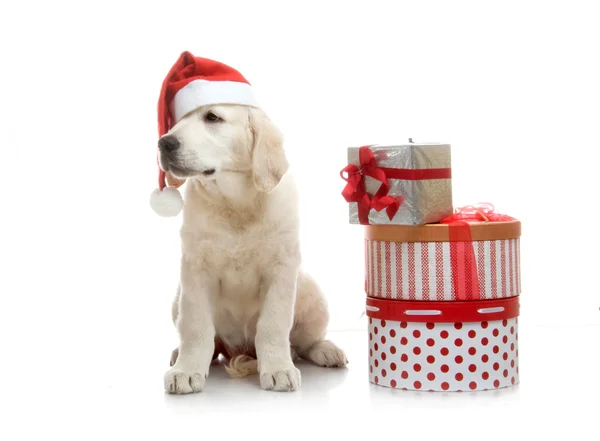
(414, 263)
(443, 305)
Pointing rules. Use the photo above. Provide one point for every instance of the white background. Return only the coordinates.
(88, 270)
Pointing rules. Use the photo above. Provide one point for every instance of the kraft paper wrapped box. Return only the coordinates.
(406, 184)
(443, 303)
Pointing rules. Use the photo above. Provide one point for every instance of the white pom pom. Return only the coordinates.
(167, 202)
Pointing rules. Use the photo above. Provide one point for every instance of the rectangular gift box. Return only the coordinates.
(419, 178)
(443, 305)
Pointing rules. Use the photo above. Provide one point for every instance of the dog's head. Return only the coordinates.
(225, 138)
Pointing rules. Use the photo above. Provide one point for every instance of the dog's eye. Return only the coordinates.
(212, 117)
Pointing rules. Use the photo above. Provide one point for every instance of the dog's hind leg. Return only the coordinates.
(311, 319)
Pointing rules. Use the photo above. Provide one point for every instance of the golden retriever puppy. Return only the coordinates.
(242, 291)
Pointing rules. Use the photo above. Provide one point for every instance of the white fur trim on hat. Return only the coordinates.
(167, 202)
(200, 93)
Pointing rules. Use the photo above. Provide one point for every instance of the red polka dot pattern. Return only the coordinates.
(444, 356)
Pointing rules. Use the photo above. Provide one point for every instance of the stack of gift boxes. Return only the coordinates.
(442, 284)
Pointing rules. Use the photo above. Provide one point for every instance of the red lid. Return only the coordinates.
(443, 312)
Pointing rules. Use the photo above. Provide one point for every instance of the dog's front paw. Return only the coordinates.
(283, 380)
(180, 381)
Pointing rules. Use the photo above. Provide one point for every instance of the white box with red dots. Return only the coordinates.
(438, 356)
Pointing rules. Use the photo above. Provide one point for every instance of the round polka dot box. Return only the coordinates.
(444, 356)
(438, 323)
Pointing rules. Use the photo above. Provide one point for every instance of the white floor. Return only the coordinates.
(87, 397)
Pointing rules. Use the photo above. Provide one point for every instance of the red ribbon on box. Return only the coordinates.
(355, 188)
(462, 255)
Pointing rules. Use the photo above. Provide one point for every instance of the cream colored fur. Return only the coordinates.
(242, 291)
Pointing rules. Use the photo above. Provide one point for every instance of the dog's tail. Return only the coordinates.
(245, 365)
(242, 366)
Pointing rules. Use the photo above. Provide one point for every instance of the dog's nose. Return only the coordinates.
(168, 144)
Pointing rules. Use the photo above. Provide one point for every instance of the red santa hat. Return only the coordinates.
(191, 83)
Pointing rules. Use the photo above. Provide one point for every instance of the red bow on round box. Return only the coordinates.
(462, 255)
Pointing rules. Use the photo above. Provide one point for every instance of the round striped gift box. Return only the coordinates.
(443, 308)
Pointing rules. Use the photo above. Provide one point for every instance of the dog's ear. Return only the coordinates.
(269, 163)
(173, 181)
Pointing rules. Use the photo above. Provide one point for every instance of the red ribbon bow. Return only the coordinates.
(480, 212)
(355, 188)
(462, 255)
